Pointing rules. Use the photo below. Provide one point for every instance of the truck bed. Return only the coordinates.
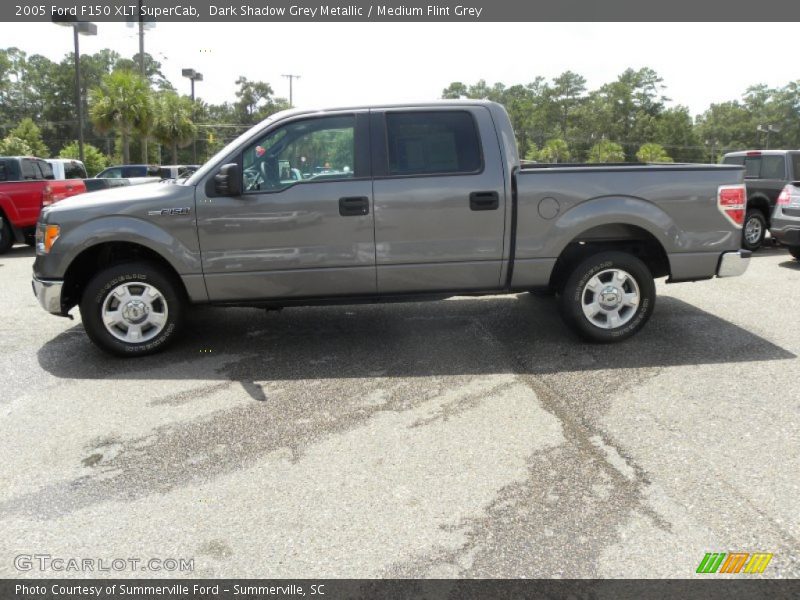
(562, 204)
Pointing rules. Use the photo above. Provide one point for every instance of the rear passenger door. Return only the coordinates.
(439, 195)
(28, 201)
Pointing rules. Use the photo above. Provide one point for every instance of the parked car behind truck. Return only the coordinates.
(133, 174)
(433, 204)
(26, 185)
(786, 219)
(766, 174)
(67, 168)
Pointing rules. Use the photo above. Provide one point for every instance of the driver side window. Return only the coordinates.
(305, 151)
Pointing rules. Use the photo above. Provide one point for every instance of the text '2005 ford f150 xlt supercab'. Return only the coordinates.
(386, 203)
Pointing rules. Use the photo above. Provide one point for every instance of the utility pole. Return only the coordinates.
(768, 129)
(145, 157)
(141, 40)
(193, 76)
(291, 79)
(78, 28)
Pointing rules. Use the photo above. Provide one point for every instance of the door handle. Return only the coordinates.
(354, 206)
(484, 201)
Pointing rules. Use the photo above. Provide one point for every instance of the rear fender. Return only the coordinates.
(9, 210)
(613, 210)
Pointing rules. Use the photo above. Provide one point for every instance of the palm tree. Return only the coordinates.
(122, 103)
(173, 124)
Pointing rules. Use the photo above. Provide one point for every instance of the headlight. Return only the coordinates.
(46, 236)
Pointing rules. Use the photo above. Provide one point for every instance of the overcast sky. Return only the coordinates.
(362, 63)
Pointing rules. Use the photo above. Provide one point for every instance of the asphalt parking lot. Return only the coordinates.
(465, 438)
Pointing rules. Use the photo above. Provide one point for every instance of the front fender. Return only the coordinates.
(178, 246)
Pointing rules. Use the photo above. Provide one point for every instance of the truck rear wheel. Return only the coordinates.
(754, 230)
(608, 297)
(132, 309)
(795, 251)
(6, 235)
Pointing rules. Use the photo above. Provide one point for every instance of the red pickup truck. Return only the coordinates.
(26, 185)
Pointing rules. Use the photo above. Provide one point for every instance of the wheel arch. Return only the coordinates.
(761, 203)
(623, 237)
(106, 254)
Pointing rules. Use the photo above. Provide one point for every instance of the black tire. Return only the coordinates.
(6, 235)
(575, 294)
(795, 251)
(755, 219)
(134, 276)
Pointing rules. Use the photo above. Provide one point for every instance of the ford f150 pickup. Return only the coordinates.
(26, 185)
(386, 203)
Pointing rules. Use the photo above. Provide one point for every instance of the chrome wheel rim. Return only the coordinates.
(752, 231)
(610, 298)
(135, 312)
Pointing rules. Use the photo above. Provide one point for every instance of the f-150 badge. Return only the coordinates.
(169, 211)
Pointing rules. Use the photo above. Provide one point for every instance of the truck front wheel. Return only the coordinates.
(6, 235)
(132, 309)
(795, 251)
(608, 297)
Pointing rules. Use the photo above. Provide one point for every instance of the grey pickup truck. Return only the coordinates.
(379, 204)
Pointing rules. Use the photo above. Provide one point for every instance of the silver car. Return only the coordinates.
(786, 218)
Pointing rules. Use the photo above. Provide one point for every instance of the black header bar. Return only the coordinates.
(190, 11)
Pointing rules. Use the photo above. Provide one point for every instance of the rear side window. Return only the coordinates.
(773, 167)
(112, 173)
(46, 169)
(752, 167)
(429, 143)
(733, 160)
(3, 176)
(29, 170)
(795, 167)
(135, 172)
(767, 166)
(74, 171)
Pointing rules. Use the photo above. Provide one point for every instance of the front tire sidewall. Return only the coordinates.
(571, 301)
(754, 214)
(6, 235)
(97, 291)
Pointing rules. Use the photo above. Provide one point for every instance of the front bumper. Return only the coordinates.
(48, 293)
(733, 264)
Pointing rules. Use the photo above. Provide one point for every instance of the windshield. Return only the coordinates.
(213, 162)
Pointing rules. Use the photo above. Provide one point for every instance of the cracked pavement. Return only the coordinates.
(474, 437)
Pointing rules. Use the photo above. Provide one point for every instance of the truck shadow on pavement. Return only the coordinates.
(303, 363)
(455, 337)
(18, 251)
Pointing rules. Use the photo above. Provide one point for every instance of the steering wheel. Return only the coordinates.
(252, 179)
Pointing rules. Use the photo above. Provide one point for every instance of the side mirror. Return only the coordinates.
(228, 182)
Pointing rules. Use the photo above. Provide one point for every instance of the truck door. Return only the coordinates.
(303, 225)
(439, 199)
(29, 200)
